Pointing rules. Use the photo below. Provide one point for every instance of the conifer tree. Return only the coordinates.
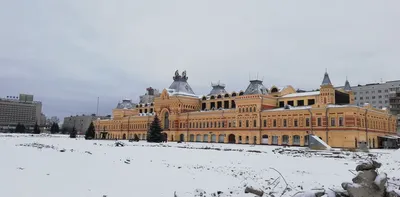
(53, 128)
(154, 135)
(36, 129)
(20, 128)
(73, 133)
(90, 133)
(136, 138)
(57, 128)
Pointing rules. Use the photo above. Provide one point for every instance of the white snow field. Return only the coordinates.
(90, 168)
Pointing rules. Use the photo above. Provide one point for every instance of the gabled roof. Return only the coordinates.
(326, 80)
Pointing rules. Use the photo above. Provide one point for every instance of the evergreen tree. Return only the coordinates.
(57, 128)
(90, 133)
(73, 133)
(64, 130)
(136, 138)
(36, 129)
(154, 135)
(53, 128)
(20, 128)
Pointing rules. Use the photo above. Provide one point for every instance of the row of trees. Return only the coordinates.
(20, 128)
(153, 135)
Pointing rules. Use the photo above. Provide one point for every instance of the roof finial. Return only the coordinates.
(326, 70)
(257, 75)
(346, 78)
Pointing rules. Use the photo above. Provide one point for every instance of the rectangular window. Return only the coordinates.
(300, 103)
(212, 105)
(311, 101)
(223, 124)
(281, 104)
(361, 98)
(307, 122)
(274, 123)
(229, 124)
(319, 122)
(291, 103)
(284, 123)
(240, 123)
(247, 123)
(254, 123)
(333, 122)
(226, 104)
(373, 97)
(367, 97)
(380, 96)
(295, 123)
(219, 124)
(379, 91)
(203, 106)
(265, 123)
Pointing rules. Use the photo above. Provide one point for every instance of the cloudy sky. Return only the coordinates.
(69, 52)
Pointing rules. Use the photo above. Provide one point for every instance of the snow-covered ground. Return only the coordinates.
(77, 167)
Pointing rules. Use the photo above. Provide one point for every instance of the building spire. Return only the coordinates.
(347, 86)
(326, 80)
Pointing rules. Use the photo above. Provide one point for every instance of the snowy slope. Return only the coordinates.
(98, 168)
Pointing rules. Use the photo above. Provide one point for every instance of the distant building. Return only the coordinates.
(42, 121)
(22, 109)
(380, 95)
(376, 94)
(81, 123)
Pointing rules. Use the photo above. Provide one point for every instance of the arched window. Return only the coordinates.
(204, 98)
(234, 94)
(166, 120)
(273, 90)
(226, 95)
(212, 97)
(219, 96)
(241, 93)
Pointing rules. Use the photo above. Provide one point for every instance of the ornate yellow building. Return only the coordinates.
(258, 115)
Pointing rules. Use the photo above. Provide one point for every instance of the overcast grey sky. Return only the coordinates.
(69, 52)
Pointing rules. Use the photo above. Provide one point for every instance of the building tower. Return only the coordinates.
(327, 91)
(347, 88)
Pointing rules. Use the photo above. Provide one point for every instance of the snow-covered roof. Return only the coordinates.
(180, 83)
(126, 104)
(256, 87)
(314, 93)
(172, 92)
(290, 108)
